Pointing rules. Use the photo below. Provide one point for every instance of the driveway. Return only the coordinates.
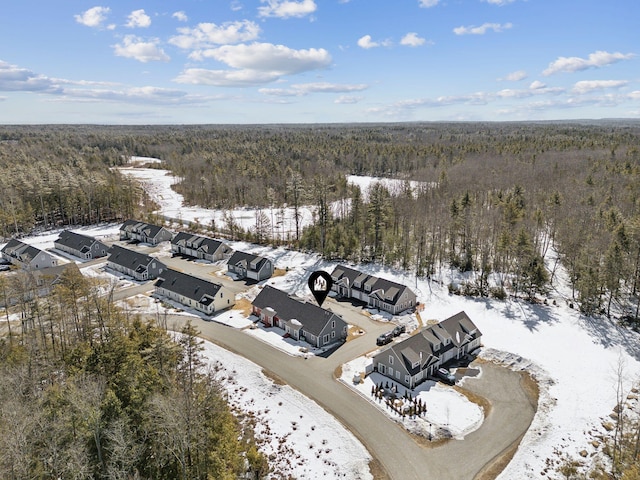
(397, 452)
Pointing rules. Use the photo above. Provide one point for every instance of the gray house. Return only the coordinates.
(37, 283)
(301, 320)
(247, 265)
(377, 292)
(144, 232)
(134, 264)
(208, 297)
(27, 256)
(412, 360)
(197, 246)
(81, 246)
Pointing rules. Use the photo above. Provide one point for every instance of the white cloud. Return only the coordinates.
(302, 89)
(516, 76)
(287, 8)
(93, 17)
(428, 3)
(209, 34)
(141, 50)
(366, 42)
(180, 16)
(499, 2)
(17, 79)
(482, 29)
(267, 57)
(635, 95)
(347, 100)
(255, 64)
(595, 60)
(537, 85)
(145, 95)
(412, 39)
(138, 19)
(586, 86)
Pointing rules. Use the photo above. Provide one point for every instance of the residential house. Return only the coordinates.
(301, 320)
(197, 246)
(412, 360)
(191, 291)
(134, 264)
(30, 284)
(81, 246)
(377, 292)
(27, 256)
(144, 232)
(247, 265)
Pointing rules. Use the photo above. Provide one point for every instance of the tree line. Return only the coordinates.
(504, 203)
(90, 392)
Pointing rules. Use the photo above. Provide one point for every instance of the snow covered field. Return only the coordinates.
(394, 186)
(573, 357)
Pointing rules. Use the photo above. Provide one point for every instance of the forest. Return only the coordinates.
(88, 391)
(493, 200)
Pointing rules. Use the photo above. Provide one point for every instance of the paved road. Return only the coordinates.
(388, 442)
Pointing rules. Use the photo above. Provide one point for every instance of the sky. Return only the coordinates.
(317, 61)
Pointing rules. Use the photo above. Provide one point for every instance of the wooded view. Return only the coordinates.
(492, 199)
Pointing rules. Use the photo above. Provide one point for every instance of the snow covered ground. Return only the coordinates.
(394, 186)
(574, 358)
(449, 413)
(300, 438)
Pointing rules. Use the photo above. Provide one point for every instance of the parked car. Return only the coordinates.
(446, 375)
(384, 338)
(399, 330)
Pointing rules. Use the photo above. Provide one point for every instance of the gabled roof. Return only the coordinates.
(22, 251)
(147, 229)
(198, 289)
(204, 244)
(386, 290)
(248, 260)
(424, 347)
(76, 241)
(313, 318)
(130, 258)
(53, 274)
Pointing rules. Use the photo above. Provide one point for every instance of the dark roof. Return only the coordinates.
(53, 274)
(249, 261)
(147, 229)
(205, 244)
(386, 290)
(428, 342)
(313, 318)
(129, 258)
(76, 241)
(22, 251)
(195, 288)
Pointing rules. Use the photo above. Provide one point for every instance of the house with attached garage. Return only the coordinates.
(417, 357)
(81, 246)
(300, 320)
(247, 265)
(377, 292)
(144, 232)
(191, 291)
(27, 256)
(197, 246)
(134, 264)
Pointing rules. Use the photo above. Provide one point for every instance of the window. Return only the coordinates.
(381, 368)
(407, 379)
(390, 372)
(390, 360)
(333, 334)
(333, 324)
(398, 374)
(325, 339)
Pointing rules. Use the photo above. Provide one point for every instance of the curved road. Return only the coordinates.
(398, 453)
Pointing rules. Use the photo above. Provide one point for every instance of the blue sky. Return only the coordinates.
(317, 61)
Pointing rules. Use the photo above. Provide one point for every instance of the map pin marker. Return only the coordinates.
(320, 283)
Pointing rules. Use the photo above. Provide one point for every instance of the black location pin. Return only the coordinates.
(320, 283)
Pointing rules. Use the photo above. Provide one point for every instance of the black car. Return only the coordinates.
(384, 338)
(399, 330)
